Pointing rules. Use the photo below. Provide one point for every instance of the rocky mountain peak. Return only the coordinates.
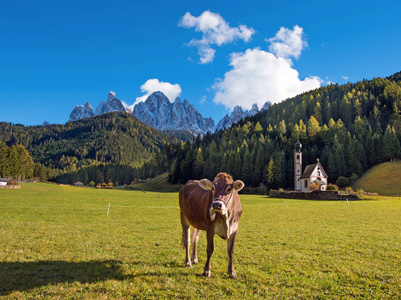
(81, 112)
(157, 111)
(239, 113)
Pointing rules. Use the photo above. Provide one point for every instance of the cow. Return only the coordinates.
(214, 207)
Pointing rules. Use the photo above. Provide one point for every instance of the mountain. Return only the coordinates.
(157, 111)
(112, 104)
(81, 112)
(239, 113)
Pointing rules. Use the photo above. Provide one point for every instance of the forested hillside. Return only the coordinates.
(113, 143)
(350, 128)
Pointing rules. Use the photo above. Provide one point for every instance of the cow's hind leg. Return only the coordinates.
(195, 237)
(209, 251)
(186, 238)
(230, 252)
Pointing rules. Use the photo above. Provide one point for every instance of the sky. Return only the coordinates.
(216, 54)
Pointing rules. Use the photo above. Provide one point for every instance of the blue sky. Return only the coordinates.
(217, 54)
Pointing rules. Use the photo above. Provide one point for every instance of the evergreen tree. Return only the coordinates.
(199, 165)
(313, 129)
(270, 174)
(391, 144)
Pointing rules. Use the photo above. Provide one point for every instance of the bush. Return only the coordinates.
(348, 190)
(342, 181)
(92, 184)
(332, 187)
(314, 186)
(263, 189)
(360, 192)
(353, 177)
(98, 186)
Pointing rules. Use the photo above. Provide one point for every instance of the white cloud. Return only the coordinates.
(172, 91)
(258, 76)
(203, 100)
(215, 31)
(288, 43)
(345, 78)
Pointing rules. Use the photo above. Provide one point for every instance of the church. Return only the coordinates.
(312, 173)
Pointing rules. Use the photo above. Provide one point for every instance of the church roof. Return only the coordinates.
(310, 168)
(308, 171)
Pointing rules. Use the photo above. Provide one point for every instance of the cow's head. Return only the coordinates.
(223, 187)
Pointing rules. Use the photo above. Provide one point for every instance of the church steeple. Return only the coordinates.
(297, 165)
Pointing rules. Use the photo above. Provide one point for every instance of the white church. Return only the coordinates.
(312, 173)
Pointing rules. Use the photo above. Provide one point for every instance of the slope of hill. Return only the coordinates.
(157, 184)
(383, 179)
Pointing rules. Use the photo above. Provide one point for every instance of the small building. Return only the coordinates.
(312, 173)
(78, 183)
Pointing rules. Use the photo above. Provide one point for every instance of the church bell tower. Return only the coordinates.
(297, 166)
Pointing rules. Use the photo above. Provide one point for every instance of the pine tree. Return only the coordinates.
(313, 129)
(199, 165)
(270, 173)
(391, 144)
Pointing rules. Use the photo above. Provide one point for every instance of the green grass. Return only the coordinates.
(383, 179)
(58, 243)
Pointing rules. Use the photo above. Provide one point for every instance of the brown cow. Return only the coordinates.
(214, 207)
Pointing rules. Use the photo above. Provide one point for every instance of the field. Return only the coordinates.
(57, 242)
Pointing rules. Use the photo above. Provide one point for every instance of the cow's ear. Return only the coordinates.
(238, 185)
(206, 184)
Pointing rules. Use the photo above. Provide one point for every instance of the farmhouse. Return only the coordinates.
(312, 173)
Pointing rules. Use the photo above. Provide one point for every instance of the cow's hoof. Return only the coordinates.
(206, 273)
(232, 275)
(195, 261)
(188, 264)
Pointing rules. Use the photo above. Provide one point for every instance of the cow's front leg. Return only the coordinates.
(195, 237)
(209, 251)
(230, 252)
(186, 238)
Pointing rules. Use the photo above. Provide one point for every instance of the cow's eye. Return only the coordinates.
(228, 190)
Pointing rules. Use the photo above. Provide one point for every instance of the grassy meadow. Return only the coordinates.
(57, 242)
(383, 179)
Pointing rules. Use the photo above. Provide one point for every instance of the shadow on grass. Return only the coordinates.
(24, 276)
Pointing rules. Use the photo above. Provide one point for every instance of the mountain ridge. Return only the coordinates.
(159, 112)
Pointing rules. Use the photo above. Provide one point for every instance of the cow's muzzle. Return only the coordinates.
(218, 206)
